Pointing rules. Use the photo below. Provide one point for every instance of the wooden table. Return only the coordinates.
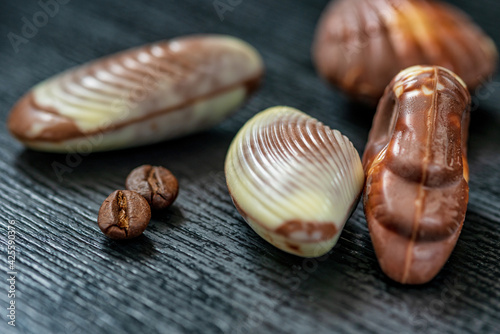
(199, 268)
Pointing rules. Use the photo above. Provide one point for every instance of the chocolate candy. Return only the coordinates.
(415, 161)
(360, 45)
(294, 180)
(140, 96)
(124, 215)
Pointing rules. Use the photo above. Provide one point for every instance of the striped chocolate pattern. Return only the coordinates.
(294, 180)
(143, 95)
(361, 45)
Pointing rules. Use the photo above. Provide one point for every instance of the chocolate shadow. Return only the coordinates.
(188, 157)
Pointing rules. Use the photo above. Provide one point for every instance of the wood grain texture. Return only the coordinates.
(199, 268)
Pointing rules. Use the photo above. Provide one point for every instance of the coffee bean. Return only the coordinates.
(155, 183)
(124, 215)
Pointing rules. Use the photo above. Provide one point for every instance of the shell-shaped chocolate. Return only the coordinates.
(139, 96)
(294, 180)
(361, 45)
(416, 190)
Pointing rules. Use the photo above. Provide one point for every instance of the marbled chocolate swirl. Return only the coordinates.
(294, 180)
(140, 96)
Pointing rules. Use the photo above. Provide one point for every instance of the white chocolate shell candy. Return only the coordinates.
(139, 96)
(294, 180)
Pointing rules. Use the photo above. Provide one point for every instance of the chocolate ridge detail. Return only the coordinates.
(294, 180)
(135, 85)
(63, 128)
(360, 45)
(415, 161)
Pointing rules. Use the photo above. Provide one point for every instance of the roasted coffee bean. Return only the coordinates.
(124, 215)
(155, 183)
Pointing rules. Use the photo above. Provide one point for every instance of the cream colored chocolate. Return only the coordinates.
(139, 96)
(294, 180)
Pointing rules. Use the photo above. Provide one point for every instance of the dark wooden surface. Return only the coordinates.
(199, 268)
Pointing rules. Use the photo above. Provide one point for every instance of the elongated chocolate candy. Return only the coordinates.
(415, 161)
(140, 96)
(294, 180)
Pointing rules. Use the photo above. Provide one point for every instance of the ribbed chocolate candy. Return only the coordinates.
(294, 180)
(361, 45)
(140, 96)
(415, 161)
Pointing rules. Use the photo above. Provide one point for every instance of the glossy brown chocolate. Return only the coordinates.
(361, 45)
(415, 161)
(327, 231)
